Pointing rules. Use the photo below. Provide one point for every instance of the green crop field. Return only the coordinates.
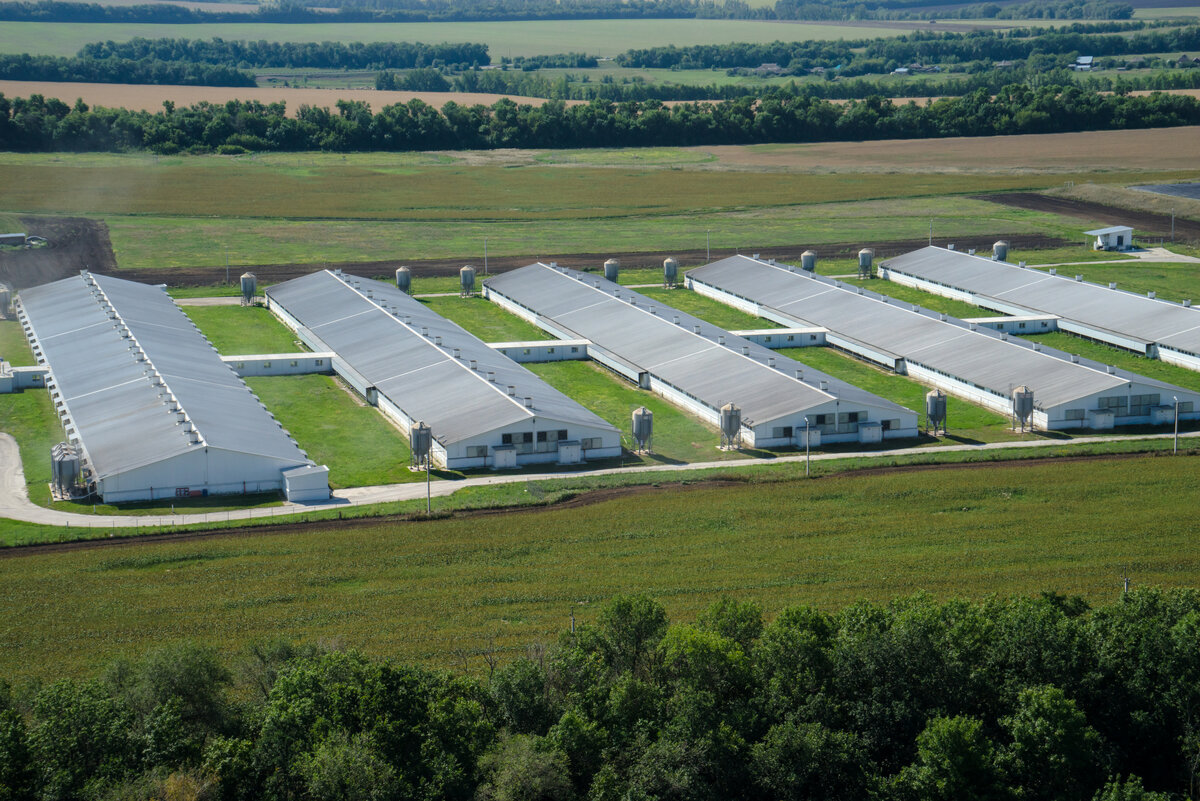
(14, 348)
(337, 429)
(243, 330)
(504, 39)
(430, 592)
(484, 319)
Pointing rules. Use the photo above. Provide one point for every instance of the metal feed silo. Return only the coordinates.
(670, 272)
(731, 425)
(643, 428)
(420, 440)
(249, 286)
(1022, 402)
(403, 279)
(935, 410)
(612, 268)
(808, 261)
(466, 279)
(1000, 251)
(865, 258)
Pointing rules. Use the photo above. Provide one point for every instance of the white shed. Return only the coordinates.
(1115, 237)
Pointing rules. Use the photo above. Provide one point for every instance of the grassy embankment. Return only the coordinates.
(433, 591)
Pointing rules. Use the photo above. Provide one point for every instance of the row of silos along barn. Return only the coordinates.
(483, 409)
(1144, 324)
(990, 368)
(696, 365)
(149, 409)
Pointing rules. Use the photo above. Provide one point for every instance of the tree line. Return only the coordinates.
(1025, 699)
(579, 87)
(25, 67)
(40, 124)
(321, 55)
(919, 47)
(317, 11)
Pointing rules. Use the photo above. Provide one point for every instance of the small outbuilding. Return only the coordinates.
(1115, 237)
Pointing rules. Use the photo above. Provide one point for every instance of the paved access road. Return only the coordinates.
(15, 503)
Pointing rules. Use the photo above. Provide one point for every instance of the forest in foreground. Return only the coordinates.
(1020, 698)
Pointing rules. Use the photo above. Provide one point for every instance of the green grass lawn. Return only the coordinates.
(29, 417)
(428, 591)
(14, 348)
(1062, 255)
(1121, 358)
(966, 422)
(243, 330)
(707, 309)
(485, 319)
(908, 294)
(1170, 281)
(679, 436)
(337, 429)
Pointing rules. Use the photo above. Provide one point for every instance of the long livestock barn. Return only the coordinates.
(483, 409)
(1151, 327)
(150, 407)
(961, 358)
(698, 366)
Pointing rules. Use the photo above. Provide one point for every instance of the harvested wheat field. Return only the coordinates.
(1152, 149)
(150, 98)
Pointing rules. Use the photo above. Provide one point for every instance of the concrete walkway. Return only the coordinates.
(15, 503)
(232, 300)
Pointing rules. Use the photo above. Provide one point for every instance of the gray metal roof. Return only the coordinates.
(981, 357)
(1135, 317)
(643, 332)
(1112, 229)
(390, 339)
(123, 355)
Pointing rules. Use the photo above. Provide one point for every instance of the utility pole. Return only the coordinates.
(225, 250)
(807, 448)
(1176, 450)
(931, 231)
(708, 246)
(485, 256)
(428, 456)
(1172, 225)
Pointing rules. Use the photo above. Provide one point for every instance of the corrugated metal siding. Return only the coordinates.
(977, 357)
(389, 338)
(1140, 318)
(122, 417)
(713, 373)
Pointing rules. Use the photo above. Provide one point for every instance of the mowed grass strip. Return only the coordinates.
(485, 319)
(243, 330)
(337, 429)
(679, 436)
(1121, 358)
(428, 592)
(14, 348)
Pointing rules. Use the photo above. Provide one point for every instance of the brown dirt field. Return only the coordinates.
(1143, 222)
(1151, 149)
(428, 268)
(578, 500)
(150, 98)
(75, 243)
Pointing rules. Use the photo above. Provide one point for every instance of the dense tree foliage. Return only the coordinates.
(309, 11)
(35, 123)
(921, 47)
(1028, 699)
(25, 67)
(321, 55)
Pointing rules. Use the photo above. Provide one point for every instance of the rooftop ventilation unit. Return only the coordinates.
(512, 390)
(799, 375)
(1152, 295)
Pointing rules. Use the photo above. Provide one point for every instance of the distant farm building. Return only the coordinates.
(1084, 63)
(12, 240)
(1115, 237)
(482, 408)
(149, 409)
